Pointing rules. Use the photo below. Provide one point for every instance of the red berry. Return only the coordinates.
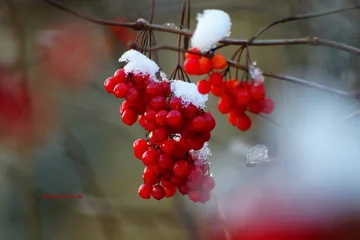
(203, 86)
(150, 176)
(224, 105)
(161, 118)
(174, 118)
(257, 92)
(165, 90)
(190, 111)
(255, 107)
(199, 124)
(218, 91)
(120, 75)
(150, 114)
(232, 118)
(120, 90)
(204, 65)
(192, 66)
(170, 190)
(153, 89)
(195, 174)
(110, 83)
(218, 61)
(175, 103)
(159, 134)
(158, 103)
(124, 106)
(243, 96)
(158, 192)
(129, 117)
(210, 121)
(195, 195)
(183, 189)
(243, 122)
(145, 191)
(216, 79)
(168, 146)
(140, 146)
(207, 183)
(166, 161)
(150, 157)
(132, 96)
(181, 168)
(192, 55)
(205, 197)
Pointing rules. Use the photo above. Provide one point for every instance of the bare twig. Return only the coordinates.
(302, 17)
(142, 24)
(271, 75)
(349, 117)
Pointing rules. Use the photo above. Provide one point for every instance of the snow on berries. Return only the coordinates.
(171, 111)
(212, 26)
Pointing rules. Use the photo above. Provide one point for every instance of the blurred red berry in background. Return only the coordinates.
(122, 34)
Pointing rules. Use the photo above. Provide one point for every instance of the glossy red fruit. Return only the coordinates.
(175, 119)
(150, 157)
(166, 161)
(204, 65)
(140, 146)
(243, 96)
(183, 189)
(216, 79)
(224, 105)
(124, 106)
(150, 176)
(255, 107)
(161, 118)
(159, 134)
(257, 92)
(199, 124)
(120, 90)
(190, 111)
(109, 84)
(181, 169)
(170, 190)
(120, 75)
(210, 121)
(129, 117)
(243, 122)
(204, 86)
(158, 192)
(218, 91)
(175, 103)
(158, 103)
(192, 66)
(153, 89)
(168, 146)
(132, 96)
(192, 55)
(145, 191)
(205, 197)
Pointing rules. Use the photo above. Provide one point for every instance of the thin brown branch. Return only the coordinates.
(142, 24)
(267, 74)
(302, 17)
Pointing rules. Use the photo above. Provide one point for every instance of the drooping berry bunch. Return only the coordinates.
(175, 154)
(235, 97)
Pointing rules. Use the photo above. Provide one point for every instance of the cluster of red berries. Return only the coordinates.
(236, 97)
(195, 64)
(177, 130)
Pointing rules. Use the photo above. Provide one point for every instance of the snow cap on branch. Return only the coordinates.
(138, 63)
(213, 25)
(188, 93)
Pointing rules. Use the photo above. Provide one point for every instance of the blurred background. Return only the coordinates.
(60, 132)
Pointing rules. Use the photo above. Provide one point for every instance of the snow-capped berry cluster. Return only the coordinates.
(175, 154)
(236, 97)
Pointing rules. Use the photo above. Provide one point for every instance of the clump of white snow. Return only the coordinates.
(256, 74)
(201, 156)
(163, 76)
(213, 25)
(188, 93)
(138, 63)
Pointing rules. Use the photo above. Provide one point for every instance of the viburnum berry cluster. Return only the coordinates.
(175, 153)
(235, 97)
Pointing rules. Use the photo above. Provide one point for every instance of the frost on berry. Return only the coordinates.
(256, 74)
(138, 63)
(213, 25)
(188, 93)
